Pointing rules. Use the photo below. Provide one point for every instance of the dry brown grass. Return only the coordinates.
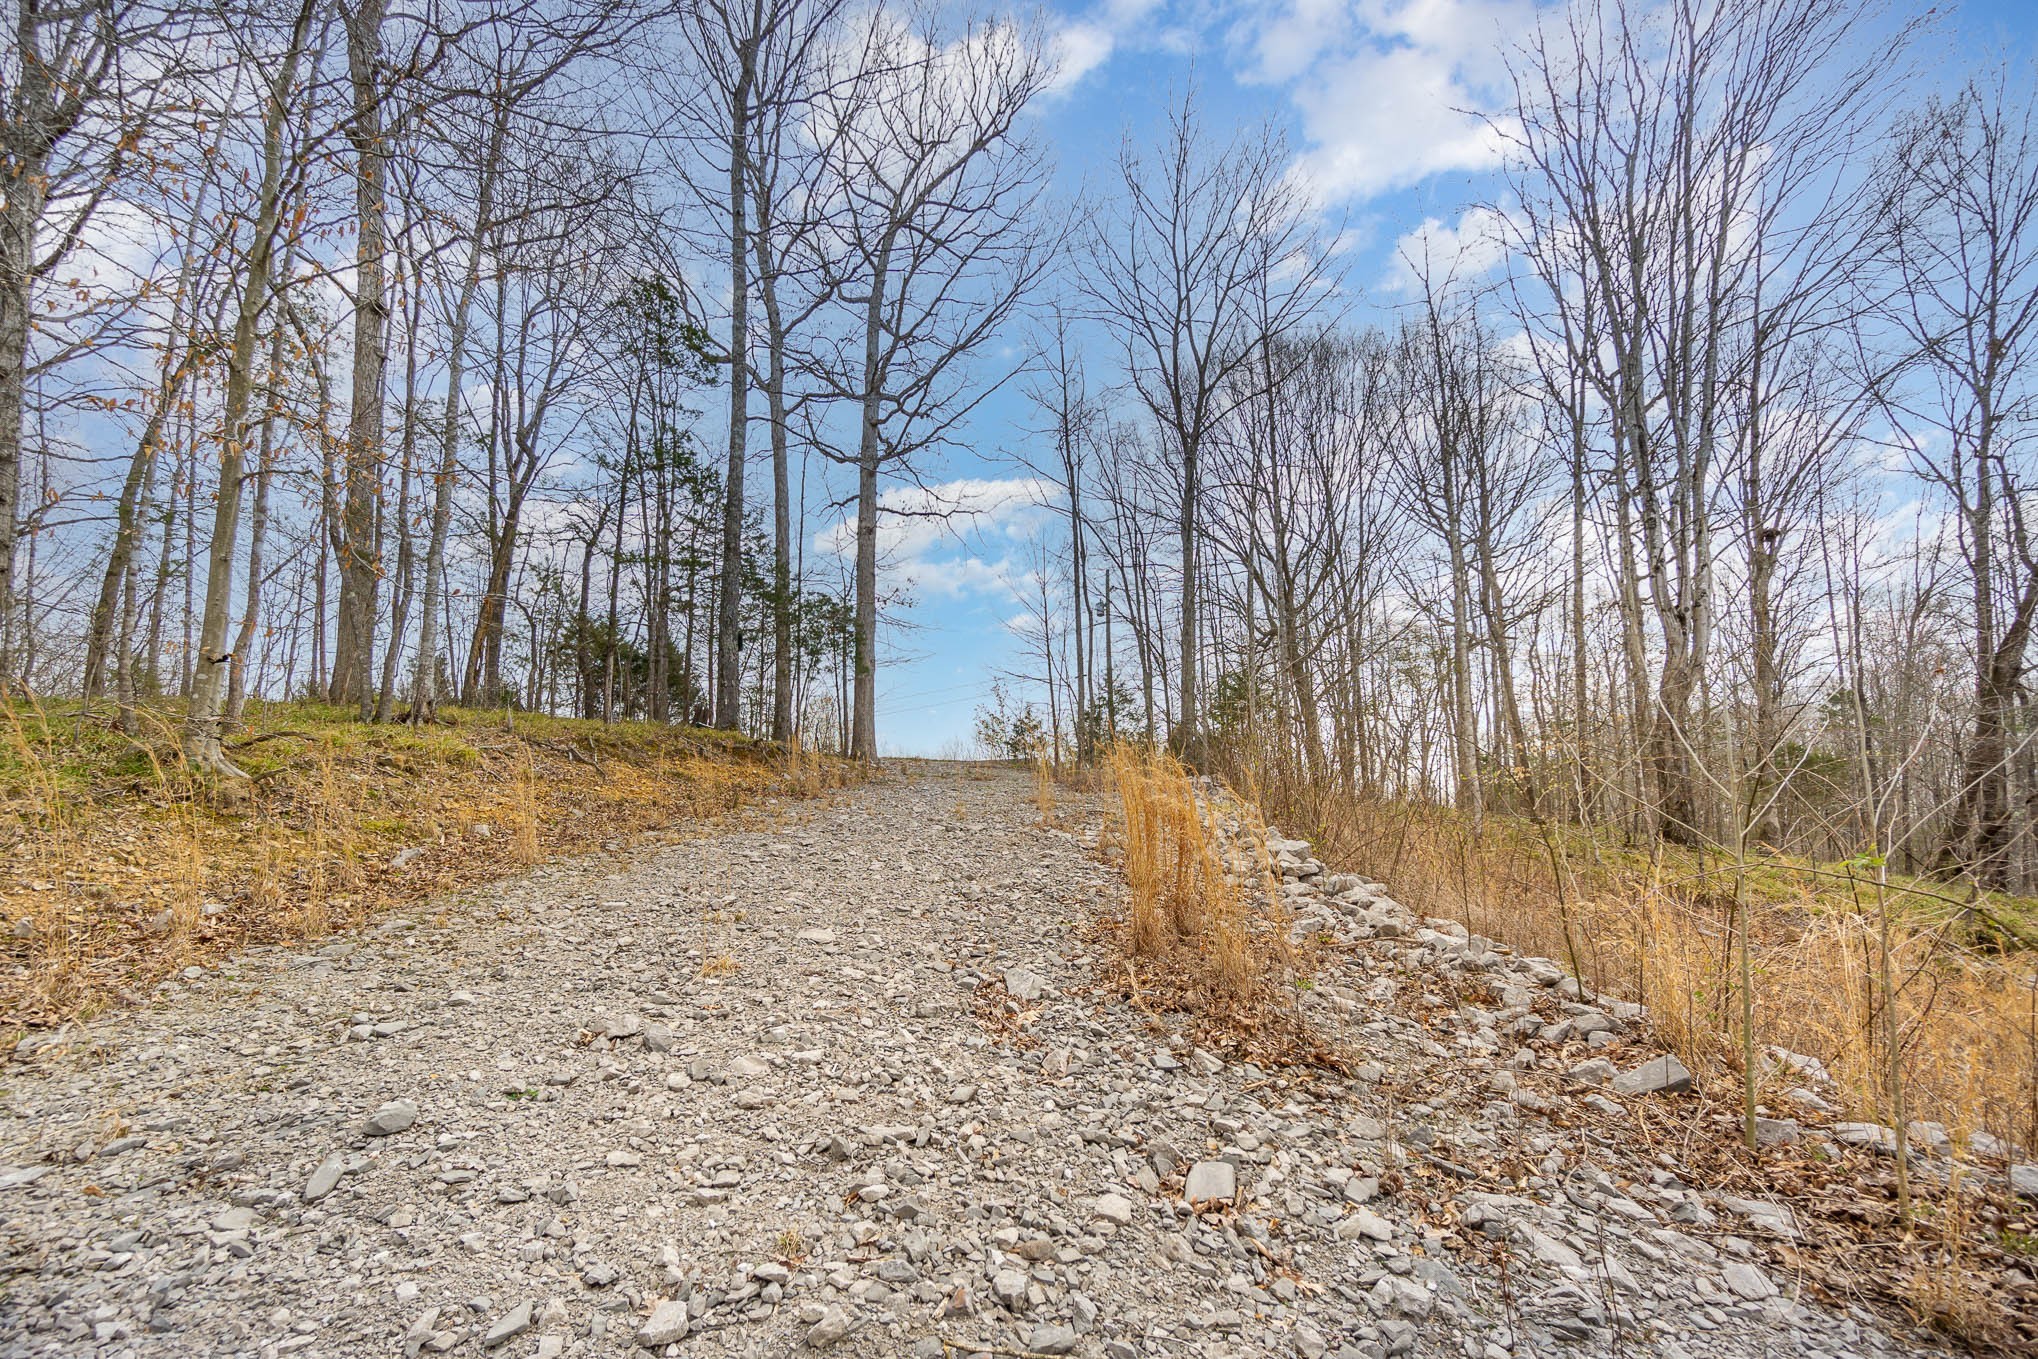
(1043, 789)
(1205, 931)
(1967, 1030)
(1662, 931)
(118, 868)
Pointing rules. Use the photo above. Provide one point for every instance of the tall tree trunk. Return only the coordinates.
(1509, 703)
(863, 726)
(360, 556)
(402, 590)
(180, 360)
(124, 658)
(20, 208)
(424, 674)
(781, 492)
(129, 524)
(159, 585)
(258, 528)
(1582, 789)
(728, 616)
(201, 739)
(1186, 737)
(24, 193)
(1464, 735)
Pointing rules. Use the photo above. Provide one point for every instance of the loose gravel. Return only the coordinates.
(849, 1077)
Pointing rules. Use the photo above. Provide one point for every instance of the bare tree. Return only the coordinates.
(280, 162)
(793, 281)
(1060, 393)
(1958, 227)
(1664, 169)
(1173, 262)
(929, 184)
(354, 529)
(69, 112)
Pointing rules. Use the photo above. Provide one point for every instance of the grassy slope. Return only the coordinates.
(1987, 920)
(1661, 927)
(115, 869)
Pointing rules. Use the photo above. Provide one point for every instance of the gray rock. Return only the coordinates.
(1115, 1208)
(667, 1325)
(1365, 1222)
(1872, 1135)
(618, 1027)
(1025, 984)
(1663, 1075)
(1052, 1340)
(1773, 1219)
(1748, 1282)
(325, 1177)
(1210, 1182)
(1008, 1286)
(1776, 1132)
(1401, 1296)
(14, 1177)
(1593, 1071)
(390, 1119)
(512, 1324)
(833, 1325)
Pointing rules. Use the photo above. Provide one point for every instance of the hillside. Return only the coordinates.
(121, 868)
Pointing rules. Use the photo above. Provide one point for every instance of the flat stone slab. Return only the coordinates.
(1211, 1182)
(1663, 1075)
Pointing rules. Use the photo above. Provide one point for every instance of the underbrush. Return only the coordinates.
(118, 866)
(1958, 1048)
(1924, 1018)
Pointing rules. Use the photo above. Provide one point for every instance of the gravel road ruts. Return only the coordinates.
(526, 1123)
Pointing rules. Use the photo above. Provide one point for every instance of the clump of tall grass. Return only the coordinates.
(1043, 788)
(526, 817)
(1206, 924)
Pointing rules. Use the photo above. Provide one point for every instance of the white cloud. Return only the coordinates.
(1083, 44)
(1389, 92)
(952, 539)
(1079, 49)
(1287, 44)
(1447, 253)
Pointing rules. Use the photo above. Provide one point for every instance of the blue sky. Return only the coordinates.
(1369, 94)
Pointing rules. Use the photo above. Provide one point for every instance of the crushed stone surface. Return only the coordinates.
(849, 1077)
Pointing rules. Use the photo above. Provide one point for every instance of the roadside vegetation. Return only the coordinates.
(1920, 995)
(119, 865)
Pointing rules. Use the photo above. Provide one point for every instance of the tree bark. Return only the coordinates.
(869, 456)
(202, 738)
(360, 557)
(729, 615)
